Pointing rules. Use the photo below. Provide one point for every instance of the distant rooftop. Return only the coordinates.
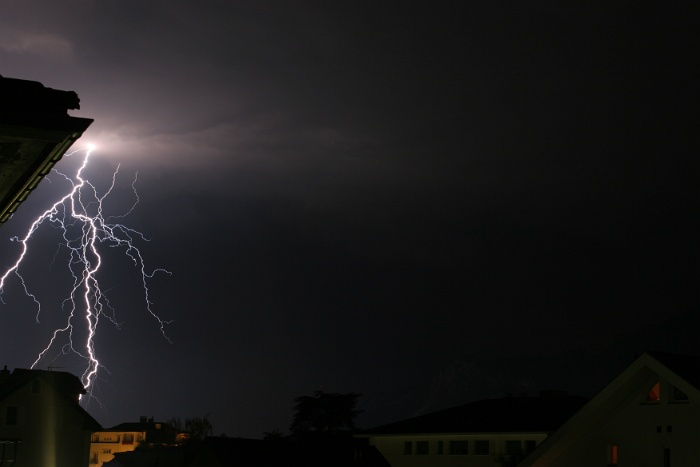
(543, 414)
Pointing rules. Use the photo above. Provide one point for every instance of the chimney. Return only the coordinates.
(143, 419)
(4, 375)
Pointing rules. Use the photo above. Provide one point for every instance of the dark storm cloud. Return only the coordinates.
(368, 196)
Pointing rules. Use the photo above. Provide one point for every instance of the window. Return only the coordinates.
(128, 438)
(481, 447)
(8, 452)
(612, 454)
(654, 394)
(407, 447)
(106, 451)
(93, 458)
(530, 445)
(514, 448)
(11, 415)
(422, 448)
(678, 395)
(459, 448)
(440, 448)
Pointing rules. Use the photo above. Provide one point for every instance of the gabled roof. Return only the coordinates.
(156, 432)
(683, 371)
(140, 426)
(542, 414)
(66, 385)
(685, 366)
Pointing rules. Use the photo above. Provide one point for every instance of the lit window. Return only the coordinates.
(422, 448)
(612, 454)
(654, 394)
(481, 447)
(407, 447)
(459, 448)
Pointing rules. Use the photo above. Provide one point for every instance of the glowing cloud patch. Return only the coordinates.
(37, 44)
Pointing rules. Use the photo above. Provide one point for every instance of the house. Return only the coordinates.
(35, 132)
(490, 432)
(41, 421)
(649, 415)
(127, 437)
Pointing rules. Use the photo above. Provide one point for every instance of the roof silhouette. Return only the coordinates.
(66, 385)
(685, 366)
(544, 413)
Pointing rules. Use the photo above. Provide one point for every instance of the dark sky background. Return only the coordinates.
(427, 203)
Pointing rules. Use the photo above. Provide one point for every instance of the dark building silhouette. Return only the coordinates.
(490, 432)
(41, 421)
(649, 415)
(35, 132)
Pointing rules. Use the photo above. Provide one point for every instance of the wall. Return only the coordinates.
(392, 448)
(105, 444)
(642, 431)
(51, 431)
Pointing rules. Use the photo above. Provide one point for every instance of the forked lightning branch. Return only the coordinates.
(86, 232)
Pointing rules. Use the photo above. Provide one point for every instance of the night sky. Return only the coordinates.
(427, 203)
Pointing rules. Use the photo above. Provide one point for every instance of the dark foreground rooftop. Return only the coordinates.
(35, 132)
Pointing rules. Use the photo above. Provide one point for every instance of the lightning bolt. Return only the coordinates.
(86, 232)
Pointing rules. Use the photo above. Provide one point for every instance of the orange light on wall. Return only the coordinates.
(654, 394)
(612, 454)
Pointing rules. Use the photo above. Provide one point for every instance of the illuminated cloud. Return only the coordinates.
(43, 45)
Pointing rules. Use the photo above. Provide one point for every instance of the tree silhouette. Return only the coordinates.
(196, 428)
(326, 412)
